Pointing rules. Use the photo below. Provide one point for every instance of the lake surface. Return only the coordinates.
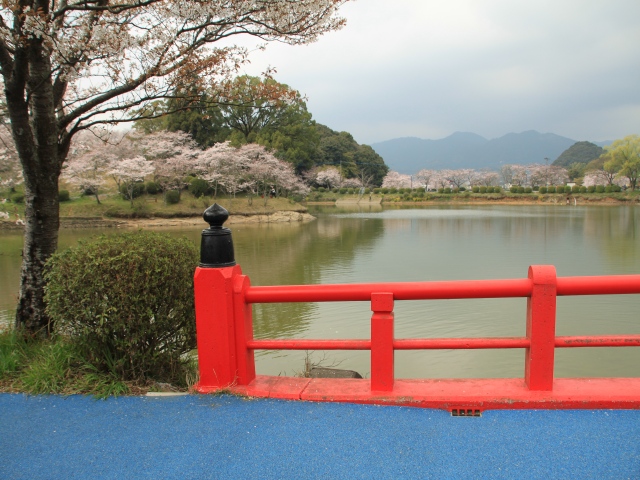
(422, 244)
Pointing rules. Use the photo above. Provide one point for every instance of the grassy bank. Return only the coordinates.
(56, 366)
(535, 198)
(113, 206)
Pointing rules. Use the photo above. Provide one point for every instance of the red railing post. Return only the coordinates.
(214, 283)
(541, 328)
(243, 331)
(382, 373)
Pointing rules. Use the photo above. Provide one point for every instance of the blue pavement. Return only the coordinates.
(226, 437)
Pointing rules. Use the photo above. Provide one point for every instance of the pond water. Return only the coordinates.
(422, 244)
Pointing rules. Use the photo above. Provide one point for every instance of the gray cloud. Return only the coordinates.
(427, 69)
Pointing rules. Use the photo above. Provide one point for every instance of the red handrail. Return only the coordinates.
(225, 334)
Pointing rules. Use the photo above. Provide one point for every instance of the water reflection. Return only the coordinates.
(355, 244)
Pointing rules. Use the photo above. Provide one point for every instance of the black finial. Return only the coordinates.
(216, 247)
(215, 216)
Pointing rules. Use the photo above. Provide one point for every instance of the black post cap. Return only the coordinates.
(216, 247)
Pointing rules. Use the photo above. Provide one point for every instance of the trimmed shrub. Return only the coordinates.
(138, 190)
(475, 189)
(513, 189)
(575, 189)
(520, 189)
(599, 188)
(447, 190)
(152, 188)
(455, 190)
(551, 189)
(543, 190)
(377, 190)
(63, 195)
(393, 190)
(591, 189)
(441, 190)
(497, 189)
(384, 190)
(127, 302)
(350, 190)
(172, 197)
(198, 187)
(342, 190)
(462, 189)
(608, 189)
(528, 190)
(583, 189)
(616, 188)
(567, 189)
(536, 188)
(490, 189)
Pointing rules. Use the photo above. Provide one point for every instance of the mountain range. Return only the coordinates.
(409, 155)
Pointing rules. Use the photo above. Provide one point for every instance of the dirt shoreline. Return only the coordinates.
(179, 222)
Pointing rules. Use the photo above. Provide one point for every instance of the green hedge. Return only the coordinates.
(127, 301)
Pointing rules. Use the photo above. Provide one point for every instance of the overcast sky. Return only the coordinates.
(428, 68)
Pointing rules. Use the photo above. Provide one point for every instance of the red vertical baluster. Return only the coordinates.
(382, 342)
(541, 328)
(244, 331)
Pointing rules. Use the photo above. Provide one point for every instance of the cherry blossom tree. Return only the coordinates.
(487, 178)
(459, 177)
(394, 179)
(174, 156)
(89, 171)
(328, 177)
(69, 65)
(129, 171)
(425, 177)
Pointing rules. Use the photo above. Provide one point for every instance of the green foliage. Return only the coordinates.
(199, 187)
(567, 189)
(377, 190)
(55, 365)
(599, 188)
(543, 190)
(497, 189)
(513, 189)
(343, 190)
(551, 189)
(580, 153)
(583, 189)
(591, 189)
(17, 198)
(575, 189)
(490, 189)
(608, 189)
(476, 189)
(152, 188)
(350, 191)
(384, 190)
(131, 190)
(127, 302)
(462, 189)
(528, 190)
(447, 190)
(520, 190)
(172, 197)
(63, 195)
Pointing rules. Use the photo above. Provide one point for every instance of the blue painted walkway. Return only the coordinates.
(52, 437)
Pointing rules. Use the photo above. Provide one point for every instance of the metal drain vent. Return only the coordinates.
(465, 412)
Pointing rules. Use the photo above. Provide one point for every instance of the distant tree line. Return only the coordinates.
(261, 110)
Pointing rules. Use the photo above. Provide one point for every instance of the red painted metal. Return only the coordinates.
(460, 343)
(382, 364)
(541, 328)
(225, 343)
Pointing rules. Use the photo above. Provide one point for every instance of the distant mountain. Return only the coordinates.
(468, 150)
(580, 152)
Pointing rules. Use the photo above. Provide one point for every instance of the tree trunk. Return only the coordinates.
(30, 103)
(40, 242)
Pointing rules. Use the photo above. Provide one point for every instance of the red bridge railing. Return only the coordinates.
(224, 298)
